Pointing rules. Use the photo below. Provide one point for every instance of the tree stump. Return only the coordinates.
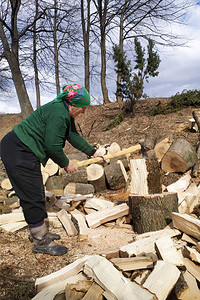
(80, 176)
(96, 177)
(145, 176)
(180, 157)
(115, 176)
(152, 212)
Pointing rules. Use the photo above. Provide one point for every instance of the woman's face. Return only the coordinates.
(75, 111)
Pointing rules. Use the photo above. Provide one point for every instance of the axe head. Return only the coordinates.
(143, 149)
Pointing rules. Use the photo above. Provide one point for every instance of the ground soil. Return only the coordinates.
(19, 267)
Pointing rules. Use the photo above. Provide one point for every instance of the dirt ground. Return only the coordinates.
(19, 267)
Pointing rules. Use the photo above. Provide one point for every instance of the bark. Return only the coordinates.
(37, 87)
(86, 39)
(11, 55)
(56, 48)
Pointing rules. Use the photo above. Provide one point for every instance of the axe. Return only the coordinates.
(140, 146)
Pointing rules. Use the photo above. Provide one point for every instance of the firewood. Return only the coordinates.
(133, 263)
(51, 290)
(65, 219)
(192, 254)
(100, 269)
(94, 293)
(51, 167)
(6, 185)
(96, 177)
(76, 291)
(114, 148)
(151, 140)
(189, 239)
(191, 290)
(100, 217)
(11, 218)
(168, 252)
(54, 183)
(162, 146)
(152, 212)
(79, 188)
(114, 176)
(82, 226)
(180, 186)
(162, 279)
(192, 268)
(80, 176)
(145, 243)
(145, 176)
(98, 203)
(187, 224)
(13, 227)
(180, 157)
(62, 274)
(45, 177)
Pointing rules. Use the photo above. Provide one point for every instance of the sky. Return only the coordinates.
(179, 68)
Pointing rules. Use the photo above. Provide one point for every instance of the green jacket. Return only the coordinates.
(46, 130)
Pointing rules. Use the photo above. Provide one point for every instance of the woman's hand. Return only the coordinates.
(70, 168)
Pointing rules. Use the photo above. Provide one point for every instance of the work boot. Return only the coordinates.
(52, 236)
(43, 243)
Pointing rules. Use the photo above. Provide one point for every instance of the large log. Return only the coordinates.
(115, 176)
(80, 176)
(79, 188)
(162, 146)
(145, 176)
(96, 177)
(152, 212)
(180, 157)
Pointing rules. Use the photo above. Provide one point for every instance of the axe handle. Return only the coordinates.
(86, 162)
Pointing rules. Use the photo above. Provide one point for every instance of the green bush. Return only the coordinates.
(178, 101)
(116, 121)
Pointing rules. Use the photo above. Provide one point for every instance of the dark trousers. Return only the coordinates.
(23, 169)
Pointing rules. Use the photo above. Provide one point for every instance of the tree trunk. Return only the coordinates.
(37, 87)
(56, 49)
(11, 55)
(86, 38)
(152, 212)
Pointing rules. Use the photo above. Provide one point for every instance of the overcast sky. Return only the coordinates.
(179, 68)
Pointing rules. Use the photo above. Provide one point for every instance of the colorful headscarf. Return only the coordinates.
(74, 95)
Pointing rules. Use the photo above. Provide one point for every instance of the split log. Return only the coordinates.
(180, 186)
(114, 176)
(45, 177)
(114, 148)
(162, 146)
(168, 252)
(192, 268)
(152, 212)
(6, 185)
(53, 289)
(76, 291)
(180, 157)
(98, 203)
(190, 289)
(11, 218)
(187, 224)
(62, 274)
(96, 177)
(51, 167)
(162, 279)
(80, 176)
(79, 188)
(145, 243)
(133, 263)
(95, 219)
(82, 226)
(94, 293)
(192, 254)
(13, 227)
(100, 269)
(140, 276)
(65, 219)
(145, 176)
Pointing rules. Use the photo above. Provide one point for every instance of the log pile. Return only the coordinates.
(156, 265)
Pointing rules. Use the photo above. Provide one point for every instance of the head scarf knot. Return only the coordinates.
(74, 95)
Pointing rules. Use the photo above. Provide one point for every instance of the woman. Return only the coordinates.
(33, 141)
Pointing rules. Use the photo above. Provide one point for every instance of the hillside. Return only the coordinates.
(19, 267)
